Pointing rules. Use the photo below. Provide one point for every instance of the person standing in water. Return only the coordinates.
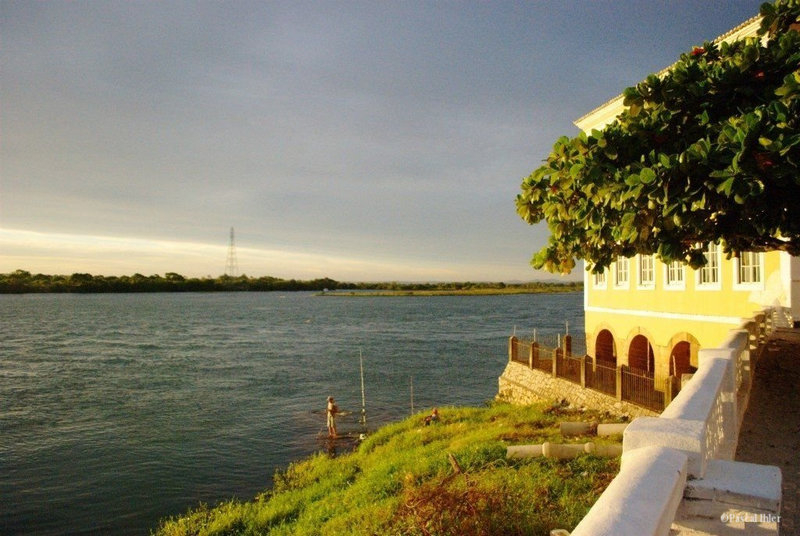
(333, 409)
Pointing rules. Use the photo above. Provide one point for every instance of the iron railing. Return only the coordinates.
(568, 367)
(601, 376)
(638, 387)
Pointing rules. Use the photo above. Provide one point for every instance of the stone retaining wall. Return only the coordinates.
(520, 384)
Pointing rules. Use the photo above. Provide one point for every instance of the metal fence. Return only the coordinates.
(542, 358)
(640, 387)
(577, 346)
(568, 367)
(519, 350)
(539, 354)
(601, 376)
(631, 385)
(550, 341)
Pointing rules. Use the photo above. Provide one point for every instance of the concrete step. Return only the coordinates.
(732, 499)
(729, 484)
(731, 522)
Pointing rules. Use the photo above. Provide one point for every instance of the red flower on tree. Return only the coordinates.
(763, 161)
(698, 51)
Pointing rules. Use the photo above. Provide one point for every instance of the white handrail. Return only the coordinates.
(700, 425)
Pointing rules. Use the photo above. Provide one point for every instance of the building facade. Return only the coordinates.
(655, 317)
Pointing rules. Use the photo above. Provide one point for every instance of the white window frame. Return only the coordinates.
(673, 283)
(755, 263)
(622, 273)
(713, 255)
(600, 281)
(641, 282)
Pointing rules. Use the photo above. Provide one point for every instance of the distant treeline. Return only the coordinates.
(20, 282)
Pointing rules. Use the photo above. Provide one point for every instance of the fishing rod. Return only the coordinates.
(411, 384)
(363, 419)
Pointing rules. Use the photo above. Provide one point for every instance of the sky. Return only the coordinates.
(361, 141)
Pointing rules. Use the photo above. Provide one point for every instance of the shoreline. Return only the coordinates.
(24, 282)
(385, 480)
(426, 293)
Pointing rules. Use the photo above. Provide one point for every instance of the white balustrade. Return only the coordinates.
(698, 428)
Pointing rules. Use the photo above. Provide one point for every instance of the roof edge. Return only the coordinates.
(608, 111)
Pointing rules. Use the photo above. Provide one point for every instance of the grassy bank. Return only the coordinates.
(458, 289)
(464, 292)
(400, 481)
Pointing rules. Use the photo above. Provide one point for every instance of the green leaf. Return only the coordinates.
(647, 175)
(726, 186)
(735, 163)
(633, 179)
(705, 145)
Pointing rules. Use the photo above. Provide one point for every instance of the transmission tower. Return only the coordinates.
(231, 264)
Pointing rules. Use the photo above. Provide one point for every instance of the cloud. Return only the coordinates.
(392, 132)
(63, 253)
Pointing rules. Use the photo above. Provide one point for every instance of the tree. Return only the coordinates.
(707, 151)
(174, 277)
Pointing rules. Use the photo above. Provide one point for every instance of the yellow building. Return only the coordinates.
(655, 317)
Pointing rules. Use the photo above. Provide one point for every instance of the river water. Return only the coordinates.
(119, 410)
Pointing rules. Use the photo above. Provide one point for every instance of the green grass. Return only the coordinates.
(400, 481)
(481, 291)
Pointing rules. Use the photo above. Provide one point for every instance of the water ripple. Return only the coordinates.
(118, 410)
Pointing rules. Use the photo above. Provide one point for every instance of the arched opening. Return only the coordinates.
(680, 360)
(604, 348)
(640, 355)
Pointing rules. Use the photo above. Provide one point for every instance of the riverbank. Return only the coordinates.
(24, 282)
(451, 477)
(484, 291)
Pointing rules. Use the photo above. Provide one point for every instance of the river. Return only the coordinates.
(118, 410)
